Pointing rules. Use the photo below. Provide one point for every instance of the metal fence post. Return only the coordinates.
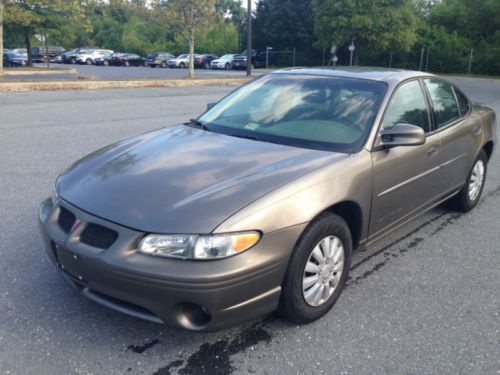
(421, 59)
(390, 60)
(294, 53)
(470, 61)
(427, 60)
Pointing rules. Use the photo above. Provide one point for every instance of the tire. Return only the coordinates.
(207, 65)
(88, 62)
(72, 61)
(126, 63)
(105, 63)
(163, 64)
(227, 66)
(182, 65)
(468, 197)
(294, 305)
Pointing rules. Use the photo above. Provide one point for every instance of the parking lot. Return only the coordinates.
(424, 300)
(133, 72)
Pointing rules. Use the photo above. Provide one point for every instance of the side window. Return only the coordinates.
(463, 104)
(443, 101)
(407, 106)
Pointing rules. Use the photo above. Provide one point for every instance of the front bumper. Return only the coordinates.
(195, 295)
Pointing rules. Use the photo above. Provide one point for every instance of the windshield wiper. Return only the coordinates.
(198, 123)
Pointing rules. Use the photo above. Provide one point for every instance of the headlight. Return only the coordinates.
(198, 247)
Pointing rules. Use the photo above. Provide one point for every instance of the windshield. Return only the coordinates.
(182, 56)
(309, 111)
(226, 57)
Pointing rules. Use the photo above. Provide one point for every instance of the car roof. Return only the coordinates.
(391, 76)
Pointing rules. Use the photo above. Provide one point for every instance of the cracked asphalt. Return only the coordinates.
(424, 300)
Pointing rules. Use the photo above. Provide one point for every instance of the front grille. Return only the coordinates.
(66, 219)
(98, 236)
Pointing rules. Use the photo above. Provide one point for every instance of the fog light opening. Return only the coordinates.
(192, 316)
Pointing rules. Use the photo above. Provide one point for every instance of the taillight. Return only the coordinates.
(199, 59)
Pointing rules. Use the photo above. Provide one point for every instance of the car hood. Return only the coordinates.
(182, 179)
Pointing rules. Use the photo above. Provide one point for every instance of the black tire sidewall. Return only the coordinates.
(293, 305)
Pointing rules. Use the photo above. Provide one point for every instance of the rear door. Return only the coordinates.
(404, 177)
(460, 133)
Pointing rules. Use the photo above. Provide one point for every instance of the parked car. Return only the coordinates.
(127, 59)
(70, 57)
(15, 59)
(42, 53)
(224, 62)
(258, 60)
(259, 203)
(89, 57)
(155, 59)
(181, 61)
(203, 61)
(57, 59)
(104, 59)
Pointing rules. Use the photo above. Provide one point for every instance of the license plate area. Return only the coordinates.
(70, 263)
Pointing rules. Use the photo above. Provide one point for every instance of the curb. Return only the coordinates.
(95, 85)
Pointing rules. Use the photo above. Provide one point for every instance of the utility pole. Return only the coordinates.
(249, 37)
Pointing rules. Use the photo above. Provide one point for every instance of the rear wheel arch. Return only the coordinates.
(488, 149)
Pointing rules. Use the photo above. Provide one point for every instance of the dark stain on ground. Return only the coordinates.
(398, 241)
(215, 358)
(142, 348)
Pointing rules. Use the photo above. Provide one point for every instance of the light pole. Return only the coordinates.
(249, 37)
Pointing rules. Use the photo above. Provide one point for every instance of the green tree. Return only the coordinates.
(185, 18)
(377, 24)
(285, 24)
(30, 17)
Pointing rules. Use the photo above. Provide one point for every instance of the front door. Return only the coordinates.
(405, 178)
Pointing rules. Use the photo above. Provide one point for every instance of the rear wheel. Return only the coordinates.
(317, 271)
(163, 64)
(126, 63)
(88, 61)
(182, 65)
(468, 197)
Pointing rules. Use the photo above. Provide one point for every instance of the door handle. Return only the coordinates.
(476, 130)
(432, 151)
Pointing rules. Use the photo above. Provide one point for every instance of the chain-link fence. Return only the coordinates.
(477, 61)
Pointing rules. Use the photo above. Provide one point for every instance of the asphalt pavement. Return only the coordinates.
(96, 72)
(424, 300)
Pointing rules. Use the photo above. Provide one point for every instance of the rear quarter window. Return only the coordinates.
(443, 101)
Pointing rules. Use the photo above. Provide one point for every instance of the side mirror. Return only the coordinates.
(210, 105)
(402, 135)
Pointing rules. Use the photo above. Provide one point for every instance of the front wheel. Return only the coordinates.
(468, 197)
(105, 63)
(181, 65)
(317, 271)
(227, 66)
(163, 64)
(126, 63)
